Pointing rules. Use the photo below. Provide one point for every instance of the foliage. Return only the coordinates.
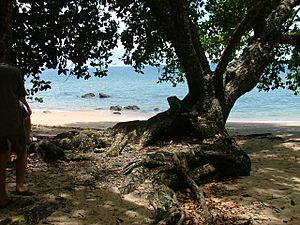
(286, 62)
(52, 33)
(216, 21)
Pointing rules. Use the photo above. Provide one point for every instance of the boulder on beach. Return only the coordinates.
(88, 95)
(116, 108)
(102, 95)
(132, 107)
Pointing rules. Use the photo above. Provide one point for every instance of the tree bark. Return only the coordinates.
(184, 172)
(204, 111)
(243, 74)
(217, 158)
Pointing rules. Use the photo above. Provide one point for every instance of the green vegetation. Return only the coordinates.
(251, 42)
(49, 34)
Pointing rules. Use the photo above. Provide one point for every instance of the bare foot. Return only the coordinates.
(20, 188)
(24, 191)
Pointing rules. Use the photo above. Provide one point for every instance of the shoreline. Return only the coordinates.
(84, 119)
(102, 119)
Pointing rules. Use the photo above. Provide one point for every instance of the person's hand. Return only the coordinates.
(29, 111)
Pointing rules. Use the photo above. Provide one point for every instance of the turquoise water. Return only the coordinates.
(129, 88)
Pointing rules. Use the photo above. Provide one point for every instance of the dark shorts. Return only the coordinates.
(17, 144)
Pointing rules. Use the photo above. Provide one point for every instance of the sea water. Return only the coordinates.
(126, 87)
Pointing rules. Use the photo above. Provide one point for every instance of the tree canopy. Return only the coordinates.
(54, 34)
(248, 42)
(51, 33)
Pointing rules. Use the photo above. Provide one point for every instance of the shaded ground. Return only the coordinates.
(83, 190)
(271, 195)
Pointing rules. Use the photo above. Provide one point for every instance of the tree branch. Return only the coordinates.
(173, 18)
(243, 74)
(234, 41)
(290, 39)
(231, 47)
(295, 3)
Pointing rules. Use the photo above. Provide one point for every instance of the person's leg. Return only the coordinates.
(21, 165)
(18, 144)
(4, 155)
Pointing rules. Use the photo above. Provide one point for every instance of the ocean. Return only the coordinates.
(126, 87)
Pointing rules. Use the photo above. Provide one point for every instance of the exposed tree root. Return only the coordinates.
(170, 171)
(184, 172)
(138, 134)
(164, 201)
(217, 157)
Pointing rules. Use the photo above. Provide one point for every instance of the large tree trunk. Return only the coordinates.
(204, 121)
(203, 112)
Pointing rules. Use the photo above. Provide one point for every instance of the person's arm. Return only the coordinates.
(22, 91)
(24, 101)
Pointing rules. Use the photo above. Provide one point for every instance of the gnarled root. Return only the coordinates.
(184, 172)
(138, 134)
(170, 171)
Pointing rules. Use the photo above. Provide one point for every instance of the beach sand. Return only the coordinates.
(269, 196)
(102, 119)
(84, 119)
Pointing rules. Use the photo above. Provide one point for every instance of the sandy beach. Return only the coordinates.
(86, 191)
(102, 119)
(84, 119)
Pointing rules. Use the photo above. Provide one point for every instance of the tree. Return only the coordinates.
(249, 41)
